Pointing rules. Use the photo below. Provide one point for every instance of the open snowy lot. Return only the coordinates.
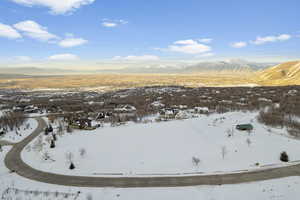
(279, 189)
(19, 134)
(167, 148)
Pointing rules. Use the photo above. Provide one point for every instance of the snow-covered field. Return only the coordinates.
(279, 189)
(168, 148)
(21, 133)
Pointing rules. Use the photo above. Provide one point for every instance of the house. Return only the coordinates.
(18, 108)
(168, 113)
(125, 108)
(103, 115)
(201, 110)
(81, 123)
(182, 115)
(84, 123)
(31, 109)
(157, 104)
(244, 127)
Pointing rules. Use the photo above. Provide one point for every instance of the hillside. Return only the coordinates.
(150, 68)
(283, 74)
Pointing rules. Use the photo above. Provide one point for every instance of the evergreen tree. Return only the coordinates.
(284, 157)
(72, 166)
(46, 131)
(50, 128)
(52, 145)
(54, 136)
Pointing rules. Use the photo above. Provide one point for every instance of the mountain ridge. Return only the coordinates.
(231, 65)
(287, 73)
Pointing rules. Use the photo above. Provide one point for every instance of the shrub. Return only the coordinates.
(52, 145)
(284, 157)
(72, 166)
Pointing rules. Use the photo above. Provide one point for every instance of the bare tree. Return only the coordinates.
(248, 141)
(48, 139)
(195, 161)
(46, 155)
(60, 129)
(82, 152)
(12, 120)
(69, 129)
(38, 144)
(69, 157)
(223, 151)
(230, 132)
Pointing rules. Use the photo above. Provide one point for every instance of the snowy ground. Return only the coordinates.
(168, 147)
(280, 189)
(25, 130)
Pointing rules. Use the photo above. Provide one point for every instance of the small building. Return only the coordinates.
(201, 110)
(125, 108)
(182, 115)
(104, 115)
(84, 123)
(168, 113)
(244, 127)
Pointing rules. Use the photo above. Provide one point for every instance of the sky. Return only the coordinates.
(121, 33)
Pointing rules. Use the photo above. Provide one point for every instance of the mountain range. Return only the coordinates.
(154, 68)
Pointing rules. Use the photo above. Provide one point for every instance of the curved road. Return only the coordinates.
(14, 162)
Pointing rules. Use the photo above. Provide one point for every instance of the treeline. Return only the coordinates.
(280, 118)
(12, 120)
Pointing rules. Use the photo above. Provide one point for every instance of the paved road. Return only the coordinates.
(14, 162)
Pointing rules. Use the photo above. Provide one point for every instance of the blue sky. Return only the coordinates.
(122, 32)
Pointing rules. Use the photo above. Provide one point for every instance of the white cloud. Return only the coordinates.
(205, 40)
(23, 58)
(137, 58)
(186, 42)
(63, 57)
(206, 55)
(189, 47)
(113, 23)
(56, 6)
(35, 31)
(109, 24)
(239, 44)
(262, 40)
(72, 42)
(9, 32)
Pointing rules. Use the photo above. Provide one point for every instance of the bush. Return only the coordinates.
(284, 157)
(52, 145)
(72, 166)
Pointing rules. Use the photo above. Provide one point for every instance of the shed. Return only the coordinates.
(244, 127)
